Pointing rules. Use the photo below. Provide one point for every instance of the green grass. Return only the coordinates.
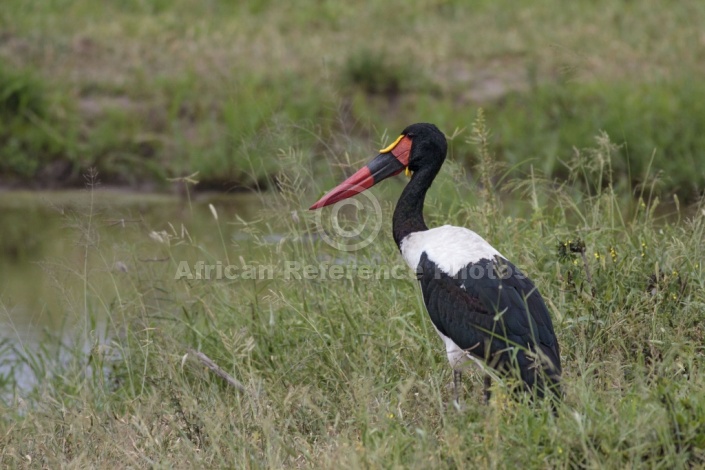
(349, 372)
(149, 90)
(27, 138)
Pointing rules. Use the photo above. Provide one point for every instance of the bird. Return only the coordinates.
(485, 310)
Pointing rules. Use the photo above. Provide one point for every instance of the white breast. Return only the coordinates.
(448, 247)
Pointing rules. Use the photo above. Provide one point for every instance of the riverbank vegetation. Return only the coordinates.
(582, 170)
(347, 371)
(148, 90)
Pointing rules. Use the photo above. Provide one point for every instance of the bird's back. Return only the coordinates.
(483, 303)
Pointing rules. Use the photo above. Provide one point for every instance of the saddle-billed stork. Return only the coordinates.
(482, 306)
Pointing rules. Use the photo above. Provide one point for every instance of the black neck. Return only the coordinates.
(408, 215)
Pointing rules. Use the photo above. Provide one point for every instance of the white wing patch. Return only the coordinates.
(448, 247)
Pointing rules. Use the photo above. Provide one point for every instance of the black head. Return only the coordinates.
(420, 146)
(428, 146)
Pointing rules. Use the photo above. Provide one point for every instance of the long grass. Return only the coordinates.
(349, 372)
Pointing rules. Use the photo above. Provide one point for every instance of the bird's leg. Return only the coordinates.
(457, 383)
(487, 385)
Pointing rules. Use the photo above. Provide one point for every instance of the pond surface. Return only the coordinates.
(51, 244)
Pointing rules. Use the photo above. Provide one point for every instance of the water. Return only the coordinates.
(55, 245)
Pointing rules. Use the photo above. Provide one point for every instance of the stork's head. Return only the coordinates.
(419, 146)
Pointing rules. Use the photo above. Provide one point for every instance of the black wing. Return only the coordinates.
(488, 308)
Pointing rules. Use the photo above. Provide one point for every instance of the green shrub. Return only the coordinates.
(24, 144)
(659, 127)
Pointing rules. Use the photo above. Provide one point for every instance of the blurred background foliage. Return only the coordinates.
(145, 90)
